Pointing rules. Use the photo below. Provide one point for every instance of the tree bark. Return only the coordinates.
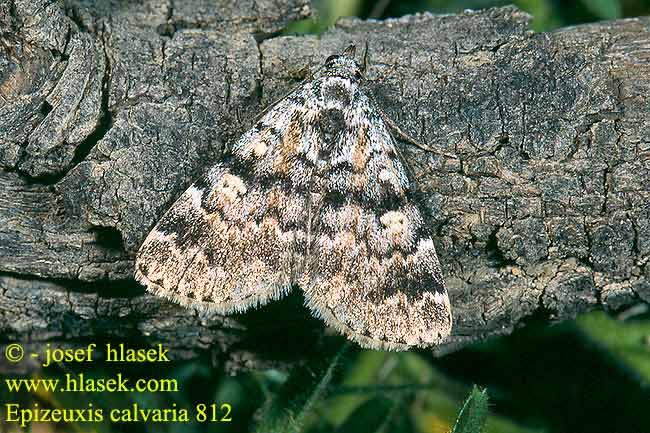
(110, 109)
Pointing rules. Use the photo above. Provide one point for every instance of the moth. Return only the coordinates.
(314, 196)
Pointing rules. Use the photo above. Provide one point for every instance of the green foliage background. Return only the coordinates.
(591, 375)
(547, 14)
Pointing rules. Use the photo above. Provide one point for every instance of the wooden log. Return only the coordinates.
(109, 110)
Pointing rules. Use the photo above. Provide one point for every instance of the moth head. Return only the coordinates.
(342, 65)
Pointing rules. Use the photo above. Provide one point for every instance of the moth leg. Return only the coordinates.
(403, 136)
(385, 74)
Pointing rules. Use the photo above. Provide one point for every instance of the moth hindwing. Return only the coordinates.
(315, 195)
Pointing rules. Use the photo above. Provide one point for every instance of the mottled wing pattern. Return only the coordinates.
(373, 271)
(237, 237)
(314, 194)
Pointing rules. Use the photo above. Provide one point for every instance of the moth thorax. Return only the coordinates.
(337, 92)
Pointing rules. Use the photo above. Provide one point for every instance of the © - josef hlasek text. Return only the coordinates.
(113, 353)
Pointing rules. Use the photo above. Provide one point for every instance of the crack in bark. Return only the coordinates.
(523, 220)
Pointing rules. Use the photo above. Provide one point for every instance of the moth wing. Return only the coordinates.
(236, 237)
(374, 273)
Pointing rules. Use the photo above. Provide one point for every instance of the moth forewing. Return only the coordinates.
(315, 194)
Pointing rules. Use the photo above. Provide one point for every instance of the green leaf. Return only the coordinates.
(362, 371)
(604, 9)
(473, 414)
(343, 8)
(628, 341)
(326, 13)
(307, 386)
(370, 417)
(542, 11)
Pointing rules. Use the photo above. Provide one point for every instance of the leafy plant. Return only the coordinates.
(628, 342)
(473, 414)
(603, 9)
(288, 410)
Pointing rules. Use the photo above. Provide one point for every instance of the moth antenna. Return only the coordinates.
(350, 51)
(364, 66)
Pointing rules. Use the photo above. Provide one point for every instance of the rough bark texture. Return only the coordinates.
(109, 109)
